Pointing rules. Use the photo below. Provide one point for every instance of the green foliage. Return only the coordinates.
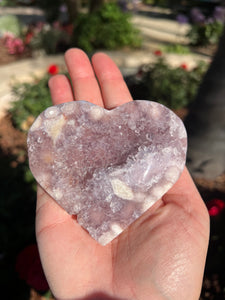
(173, 87)
(31, 100)
(10, 23)
(176, 48)
(205, 33)
(108, 28)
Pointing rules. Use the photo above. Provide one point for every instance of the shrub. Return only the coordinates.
(31, 100)
(206, 30)
(173, 87)
(108, 28)
(205, 34)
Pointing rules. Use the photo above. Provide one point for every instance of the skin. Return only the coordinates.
(160, 256)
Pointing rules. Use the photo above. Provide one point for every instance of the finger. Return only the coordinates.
(114, 89)
(84, 82)
(60, 89)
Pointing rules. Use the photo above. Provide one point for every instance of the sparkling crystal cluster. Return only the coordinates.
(107, 166)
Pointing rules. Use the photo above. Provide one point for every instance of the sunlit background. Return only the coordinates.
(168, 51)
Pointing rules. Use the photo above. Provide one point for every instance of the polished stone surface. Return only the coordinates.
(107, 166)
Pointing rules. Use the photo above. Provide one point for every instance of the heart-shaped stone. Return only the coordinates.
(107, 166)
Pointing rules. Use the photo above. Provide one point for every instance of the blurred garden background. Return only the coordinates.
(172, 52)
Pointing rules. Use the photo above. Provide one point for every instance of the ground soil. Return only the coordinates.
(210, 50)
(12, 141)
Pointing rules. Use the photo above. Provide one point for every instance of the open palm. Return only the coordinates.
(160, 256)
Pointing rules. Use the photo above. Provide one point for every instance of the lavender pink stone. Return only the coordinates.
(107, 166)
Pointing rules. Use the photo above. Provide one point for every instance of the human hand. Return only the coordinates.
(160, 256)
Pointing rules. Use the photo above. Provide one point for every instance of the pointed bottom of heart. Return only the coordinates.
(107, 167)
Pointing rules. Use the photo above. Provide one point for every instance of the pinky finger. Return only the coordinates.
(60, 89)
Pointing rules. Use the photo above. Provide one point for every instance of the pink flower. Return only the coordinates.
(184, 66)
(158, 52)
(14, 45)
(215, 206)
(29, 268)
(53, 69)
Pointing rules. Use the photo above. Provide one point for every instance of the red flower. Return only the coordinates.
(158, 52)
(184, 66)
(53, 69)
(215, 206)
(28, 266)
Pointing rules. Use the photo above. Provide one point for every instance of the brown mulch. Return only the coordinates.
(12, 142)
(11, 139)
(6, 58)
(210, 50)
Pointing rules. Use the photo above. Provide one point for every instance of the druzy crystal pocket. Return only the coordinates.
(107, 166)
